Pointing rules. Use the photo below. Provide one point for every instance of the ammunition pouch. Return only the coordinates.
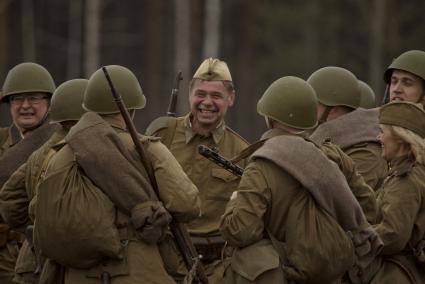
(211, 248)
(258, 263)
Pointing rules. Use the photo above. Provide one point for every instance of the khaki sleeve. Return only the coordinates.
(399, 206)
(364, 194)
(242, 222)
(14, 199)
(177, 192)
(370, 164)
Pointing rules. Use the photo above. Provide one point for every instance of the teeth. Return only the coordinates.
(205, 110)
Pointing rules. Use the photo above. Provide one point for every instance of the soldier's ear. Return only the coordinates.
(231, 98)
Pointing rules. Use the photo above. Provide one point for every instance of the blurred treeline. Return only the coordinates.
(260, 40)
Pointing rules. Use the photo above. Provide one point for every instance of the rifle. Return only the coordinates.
(214, 156)
(174, 95)
(181, 236)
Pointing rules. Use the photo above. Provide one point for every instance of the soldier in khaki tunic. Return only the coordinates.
(401, 219)
(27, 89)
(280, 185)
(141, 224)
(211, 94)
(406, 77)
(18, 193)
(353, 129)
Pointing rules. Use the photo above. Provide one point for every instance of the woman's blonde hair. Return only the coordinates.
(414, 141)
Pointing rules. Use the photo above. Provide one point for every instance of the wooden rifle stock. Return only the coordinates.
(181, 236)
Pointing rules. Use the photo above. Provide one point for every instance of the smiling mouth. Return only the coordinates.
(397, 99)
(207, 110)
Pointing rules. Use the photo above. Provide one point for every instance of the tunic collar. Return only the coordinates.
(217, 133)
(401, 166)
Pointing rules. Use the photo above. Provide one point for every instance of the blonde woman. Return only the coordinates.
(401, 220)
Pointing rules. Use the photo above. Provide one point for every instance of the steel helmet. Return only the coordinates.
(412, 61)
(67, 100)
(335, 86)
(98, 97)
(27, 77)
(367, 96)
(291, 101)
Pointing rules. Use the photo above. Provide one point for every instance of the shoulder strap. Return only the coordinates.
(169, 137)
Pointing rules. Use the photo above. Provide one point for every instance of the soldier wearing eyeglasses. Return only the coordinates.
(27, 89)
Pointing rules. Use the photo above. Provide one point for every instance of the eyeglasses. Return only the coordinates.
(33, 99)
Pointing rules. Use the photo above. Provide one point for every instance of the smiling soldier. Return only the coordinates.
(27, 89)
(211, 94)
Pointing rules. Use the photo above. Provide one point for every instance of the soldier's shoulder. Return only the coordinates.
(160, 123)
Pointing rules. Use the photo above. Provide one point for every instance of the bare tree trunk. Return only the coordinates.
(4, 14)
(211, 29)
(376, 39)
(28, 30)
(92, 30)
(74, 41)
(182, 53)
(3, 35)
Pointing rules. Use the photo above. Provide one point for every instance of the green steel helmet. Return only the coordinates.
(27, 77)
(291, 101)
(98, 96)
(367, 96)
(412, 61)
(335, 86)
(67, 101)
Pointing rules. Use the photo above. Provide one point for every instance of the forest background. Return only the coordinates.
(260, 40)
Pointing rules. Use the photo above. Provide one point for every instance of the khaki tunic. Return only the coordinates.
(401, 222)
(364, 194)
(143, 262)
(15, 198)
(264, 198)
(9, 136)
(215, 184)
(369, 162)
(261, 203)
(356, 134)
